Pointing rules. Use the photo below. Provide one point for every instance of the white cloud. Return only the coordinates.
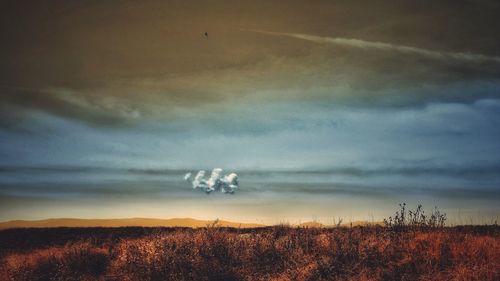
(226, 184)
(362, 44)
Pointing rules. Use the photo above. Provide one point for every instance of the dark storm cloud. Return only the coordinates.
(115, 62)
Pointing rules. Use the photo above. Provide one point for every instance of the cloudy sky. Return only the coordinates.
(378, 87)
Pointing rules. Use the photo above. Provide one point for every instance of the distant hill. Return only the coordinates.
(148, 222)
(144, 222)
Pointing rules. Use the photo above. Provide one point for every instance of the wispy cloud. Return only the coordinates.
(362, 44)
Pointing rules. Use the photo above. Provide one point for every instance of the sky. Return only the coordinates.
(403, 95)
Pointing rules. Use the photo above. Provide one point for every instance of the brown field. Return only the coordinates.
(270, 253)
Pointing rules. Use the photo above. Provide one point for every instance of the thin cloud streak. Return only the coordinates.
(362, 44)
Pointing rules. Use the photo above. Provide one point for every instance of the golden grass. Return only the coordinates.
(273, 253)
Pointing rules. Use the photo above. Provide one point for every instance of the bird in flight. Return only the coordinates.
(206, 34)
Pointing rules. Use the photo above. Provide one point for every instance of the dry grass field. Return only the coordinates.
(410, 246)
(272, 253)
